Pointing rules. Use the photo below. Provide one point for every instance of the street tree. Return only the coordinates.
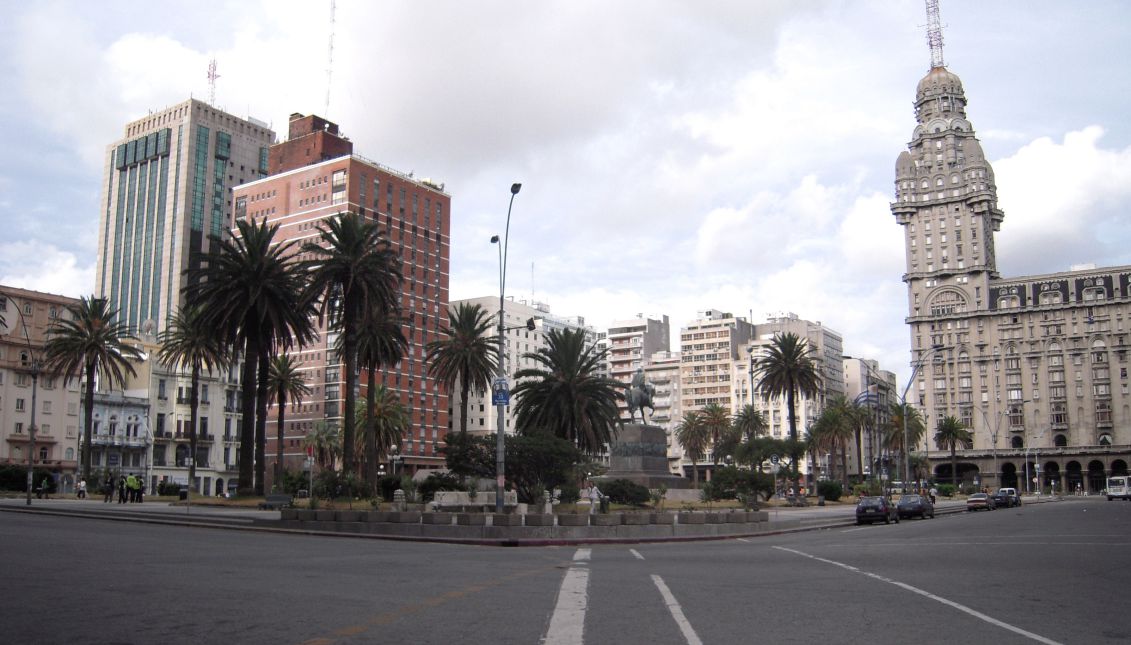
(284, 383)
(949, 435)
(466, 354)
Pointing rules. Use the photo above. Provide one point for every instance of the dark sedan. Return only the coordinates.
(870, 509)
(915, 506)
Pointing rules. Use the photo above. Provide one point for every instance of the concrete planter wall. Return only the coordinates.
(692, 518)
(506, 519)
(636, 519)
(662, 518)
(715, 518)
(304, 515)
(288, 514)
(471, 519)
(604, 519)
(347, 516)
(438, 518)
(324, 515)
(573, 519)
(540, 519)
(405, 517)
(375, 516)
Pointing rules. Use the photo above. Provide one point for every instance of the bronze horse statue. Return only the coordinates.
(637, 398)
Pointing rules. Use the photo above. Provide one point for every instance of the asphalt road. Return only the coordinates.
(1042, 573)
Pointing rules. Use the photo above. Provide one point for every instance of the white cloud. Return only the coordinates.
(44, 267)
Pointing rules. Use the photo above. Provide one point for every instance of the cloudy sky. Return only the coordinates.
(675, 156)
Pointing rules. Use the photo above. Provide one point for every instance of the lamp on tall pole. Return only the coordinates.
(993, 436)
(500, 392)
(903, 412)
(33, 367)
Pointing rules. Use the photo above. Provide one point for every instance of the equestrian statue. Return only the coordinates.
(639, 395)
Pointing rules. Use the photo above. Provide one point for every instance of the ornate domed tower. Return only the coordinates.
(946, 200)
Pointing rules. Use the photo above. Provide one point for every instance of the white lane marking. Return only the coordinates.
(636, 553)
(567, 624)
(743, 540)
(950, 603)
(677, 612)
(859, 528)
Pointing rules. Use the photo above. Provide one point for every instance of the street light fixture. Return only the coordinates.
(916, 366)
(31, 363)
(993, 436)
(501, 391)
(867, 397)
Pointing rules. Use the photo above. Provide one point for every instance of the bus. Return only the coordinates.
(1119, 487)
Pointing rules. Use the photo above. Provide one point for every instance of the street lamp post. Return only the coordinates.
(903, 412)
(993, 436)
(500, 391)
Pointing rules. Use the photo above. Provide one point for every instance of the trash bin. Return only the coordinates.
(183, 494)
(820, 500)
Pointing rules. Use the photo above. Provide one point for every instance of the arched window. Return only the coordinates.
(1051, 298)
(1060, 441)
(1017, 442)
(1105, 440)
(70, 454)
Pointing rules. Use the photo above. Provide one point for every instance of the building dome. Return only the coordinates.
(937, 82)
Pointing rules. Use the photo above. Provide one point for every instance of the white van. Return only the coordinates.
(1119, 487)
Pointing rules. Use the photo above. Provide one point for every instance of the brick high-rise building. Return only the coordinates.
(166, 189)
(313, 185)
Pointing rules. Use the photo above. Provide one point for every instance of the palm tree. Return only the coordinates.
(250, 291)
(893, 433)
(566, 394)
(354, 272)
(467, 354)
(189, 343)
(788, 368)
(324, 442)
(90, 342)
(950, 434)
(694, 436)
(717, 420)
(381, 341)
(284, 381)
(836, 425)
(386, 421)
(749, 423)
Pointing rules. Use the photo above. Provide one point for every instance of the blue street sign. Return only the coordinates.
(500, 392)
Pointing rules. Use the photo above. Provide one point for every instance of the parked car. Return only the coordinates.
(870, 509)
(980, 501)
(915, 506)
(1007, 497)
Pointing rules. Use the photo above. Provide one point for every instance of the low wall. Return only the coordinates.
(509, 527)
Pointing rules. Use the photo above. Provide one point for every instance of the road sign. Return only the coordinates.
(500, 392)
(775, 458)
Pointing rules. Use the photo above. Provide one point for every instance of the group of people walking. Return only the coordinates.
(131, 488)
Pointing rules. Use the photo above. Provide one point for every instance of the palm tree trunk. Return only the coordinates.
(88, 422)
(954, 465)
(247, 416)
(261, 423)
(859, 432)
(349, 348)
(194, 403)
(465, 389)
(844, 465)
(695, 474)
(371, 427)
(791, 412)
(279, 441)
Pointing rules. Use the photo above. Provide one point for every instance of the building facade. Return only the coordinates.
(1036, 366)
(32, 397)
(482, 416)
(166, 191)
(315, 183)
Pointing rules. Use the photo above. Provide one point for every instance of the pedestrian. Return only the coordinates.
(934, 492)
(82, 489)
(121, 490)
(594, 498)
(140, 490)
(108, 489)
(131, 488)
(46, 486)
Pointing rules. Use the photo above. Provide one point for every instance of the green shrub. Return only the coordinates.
(867, 489)
(437, 482)
(946, 490)
(386, 485)
(623, 491)
(570, 493)
(830, 490)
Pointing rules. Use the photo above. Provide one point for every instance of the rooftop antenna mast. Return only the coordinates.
(330, 57)
(934, 34)
(212, 76)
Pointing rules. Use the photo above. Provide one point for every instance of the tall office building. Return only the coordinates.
(1036, 366)
(166, 190)
(317, 178)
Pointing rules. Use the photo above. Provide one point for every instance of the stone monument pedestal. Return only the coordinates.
(640, 454)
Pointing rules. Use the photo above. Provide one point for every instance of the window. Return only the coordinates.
(19, 405)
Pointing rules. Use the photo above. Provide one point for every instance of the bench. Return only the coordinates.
(277, 501)
(796, 500)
